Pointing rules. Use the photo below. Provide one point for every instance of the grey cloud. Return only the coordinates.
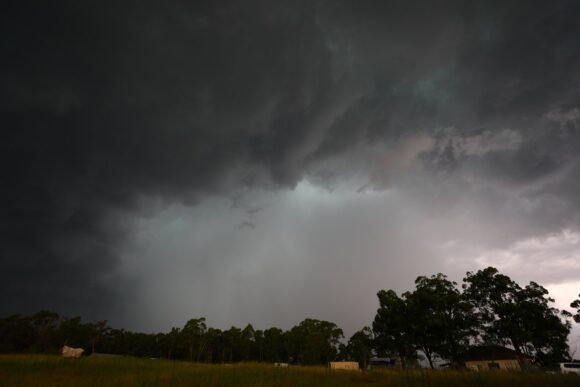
(108, 108)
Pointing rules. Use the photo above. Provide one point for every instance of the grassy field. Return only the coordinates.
(40, 370)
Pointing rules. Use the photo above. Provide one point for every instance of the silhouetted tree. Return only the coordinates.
(274, 350)
(392, 326)
(314, 341)
(442, 320)
(520, 317)
(192, 334)
(576, 305)
(97, 331)
(360, 346)
(45, 324)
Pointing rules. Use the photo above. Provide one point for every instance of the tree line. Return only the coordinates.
(438, 320)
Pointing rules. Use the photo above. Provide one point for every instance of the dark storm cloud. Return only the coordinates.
(105, 106)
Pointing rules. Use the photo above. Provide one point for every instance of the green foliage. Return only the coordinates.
(576, 305)
(273, 345)
(313, 342)
(212, 341)
(435, 318)
(247, 342)
(231, 347)
(17, 334)
(521, 317)
(74, 332)
(193, 335)
(170, 342)
(360, 347)
(96, 333)
(392, 326)
(45, 324)
(442, 321)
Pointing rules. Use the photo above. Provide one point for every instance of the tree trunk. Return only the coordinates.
(403, 360)
(429, 356)
(523, 364)
(430, 362)
(200, 348)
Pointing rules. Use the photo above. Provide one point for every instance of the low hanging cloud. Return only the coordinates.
(456, 121)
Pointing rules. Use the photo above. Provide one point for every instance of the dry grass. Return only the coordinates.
(41, 370)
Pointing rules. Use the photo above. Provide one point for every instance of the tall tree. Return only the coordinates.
(274, 349)
(96, 332)
(516, 316)
(171, 341)
(259, 343)
(192, 334)
(442, 321)
(360, 346)
(45, 323)
(16, 334)
(392, 326)
(212, 343)
(247, 342)
(74, 333)
(314, 341)
(232, 342)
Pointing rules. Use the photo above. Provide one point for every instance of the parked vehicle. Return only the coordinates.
(570, 368)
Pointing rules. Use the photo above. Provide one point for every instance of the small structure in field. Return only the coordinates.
(572, 367)
(492, 357)
(344, 365)
(72, 352)
(281, 364)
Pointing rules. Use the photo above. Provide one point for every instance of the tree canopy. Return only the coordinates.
(437, 319)
(520, 317)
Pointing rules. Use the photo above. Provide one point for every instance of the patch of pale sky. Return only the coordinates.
(320, 253)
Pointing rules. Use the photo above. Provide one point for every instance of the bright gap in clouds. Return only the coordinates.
(564, 293)
(312, 253)
(548, 259)
(552, 260)
(318, 253)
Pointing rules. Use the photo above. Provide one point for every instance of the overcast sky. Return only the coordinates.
(268, 161)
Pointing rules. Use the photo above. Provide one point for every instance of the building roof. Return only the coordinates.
(491, 352)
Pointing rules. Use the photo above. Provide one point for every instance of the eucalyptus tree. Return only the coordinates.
(232, 342)
(45, 324)
(392, 326)
(360, 346)
(576, 305)
(520, 317)
(96, 332)
(441, 321)
(274, 348)
(314, 341)
(192, 334)
(247, 342)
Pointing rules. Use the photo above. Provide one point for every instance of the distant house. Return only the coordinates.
(572, 367)
(490, 357)
(344, 365)
(72, 352)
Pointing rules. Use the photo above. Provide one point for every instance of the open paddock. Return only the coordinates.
(43, 370)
